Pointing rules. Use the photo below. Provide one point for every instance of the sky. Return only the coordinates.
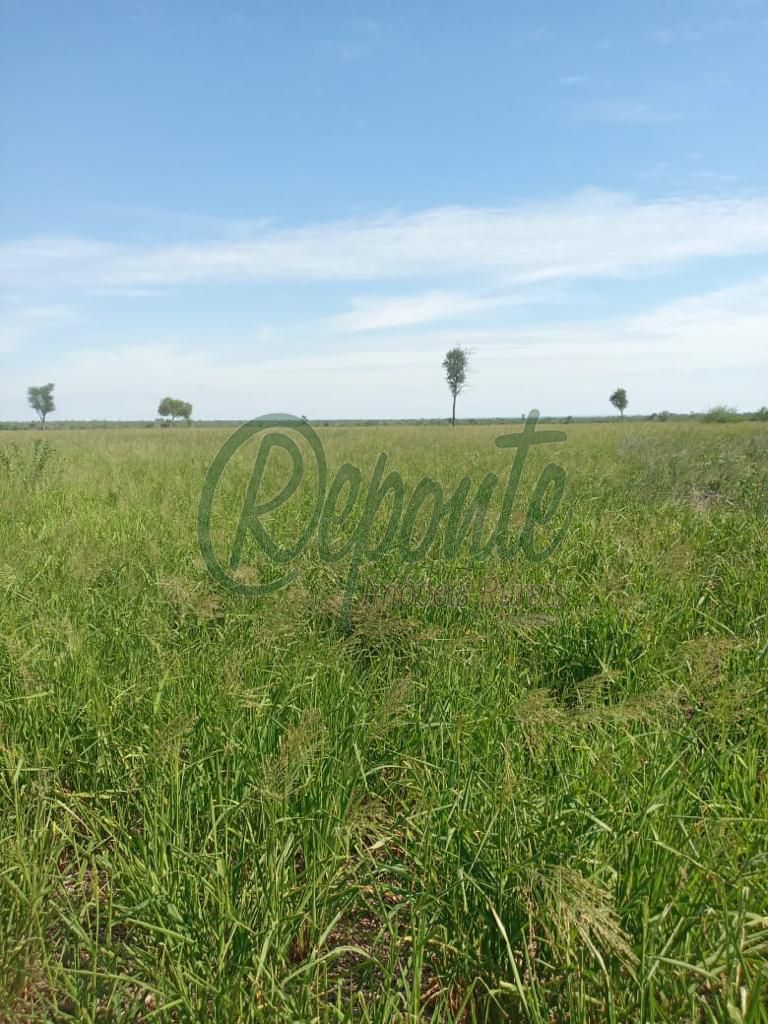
(300, 206)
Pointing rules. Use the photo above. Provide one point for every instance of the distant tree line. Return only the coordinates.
(455, 365)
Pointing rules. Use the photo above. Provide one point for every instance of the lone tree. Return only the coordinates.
(455, 366)
(619, 400)
(175, 409)
(41, 400)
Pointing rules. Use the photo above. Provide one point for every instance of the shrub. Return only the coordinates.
(721, 414)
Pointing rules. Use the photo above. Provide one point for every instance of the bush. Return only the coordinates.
(721, 414)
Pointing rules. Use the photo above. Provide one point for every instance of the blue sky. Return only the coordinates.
(301, 206)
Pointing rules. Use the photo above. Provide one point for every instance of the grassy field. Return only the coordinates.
(497, 791)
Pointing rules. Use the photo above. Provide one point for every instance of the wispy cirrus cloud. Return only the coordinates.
(376, 314)
(746, 17)
(19, 323)
(617, 111)
(589, 234)
(357, 43)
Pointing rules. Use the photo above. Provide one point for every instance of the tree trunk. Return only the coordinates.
(453, 413)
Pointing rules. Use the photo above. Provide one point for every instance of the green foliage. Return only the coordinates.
(28, 467)
(540, 796)
(455, 365)
(175, 409)
(619, 400)
(721, 414)
(41, 400)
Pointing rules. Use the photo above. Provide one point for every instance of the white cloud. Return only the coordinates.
(694, 31)
(687, 354)
(18, 324)
(590, 234)
(625, 112)
(716, 177)
(403, 311)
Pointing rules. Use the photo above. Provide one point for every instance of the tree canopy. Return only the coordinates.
(41, 400)
(455, 365)
(619, 400)
(175, 408)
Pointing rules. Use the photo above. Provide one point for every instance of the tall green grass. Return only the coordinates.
(496, 791)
